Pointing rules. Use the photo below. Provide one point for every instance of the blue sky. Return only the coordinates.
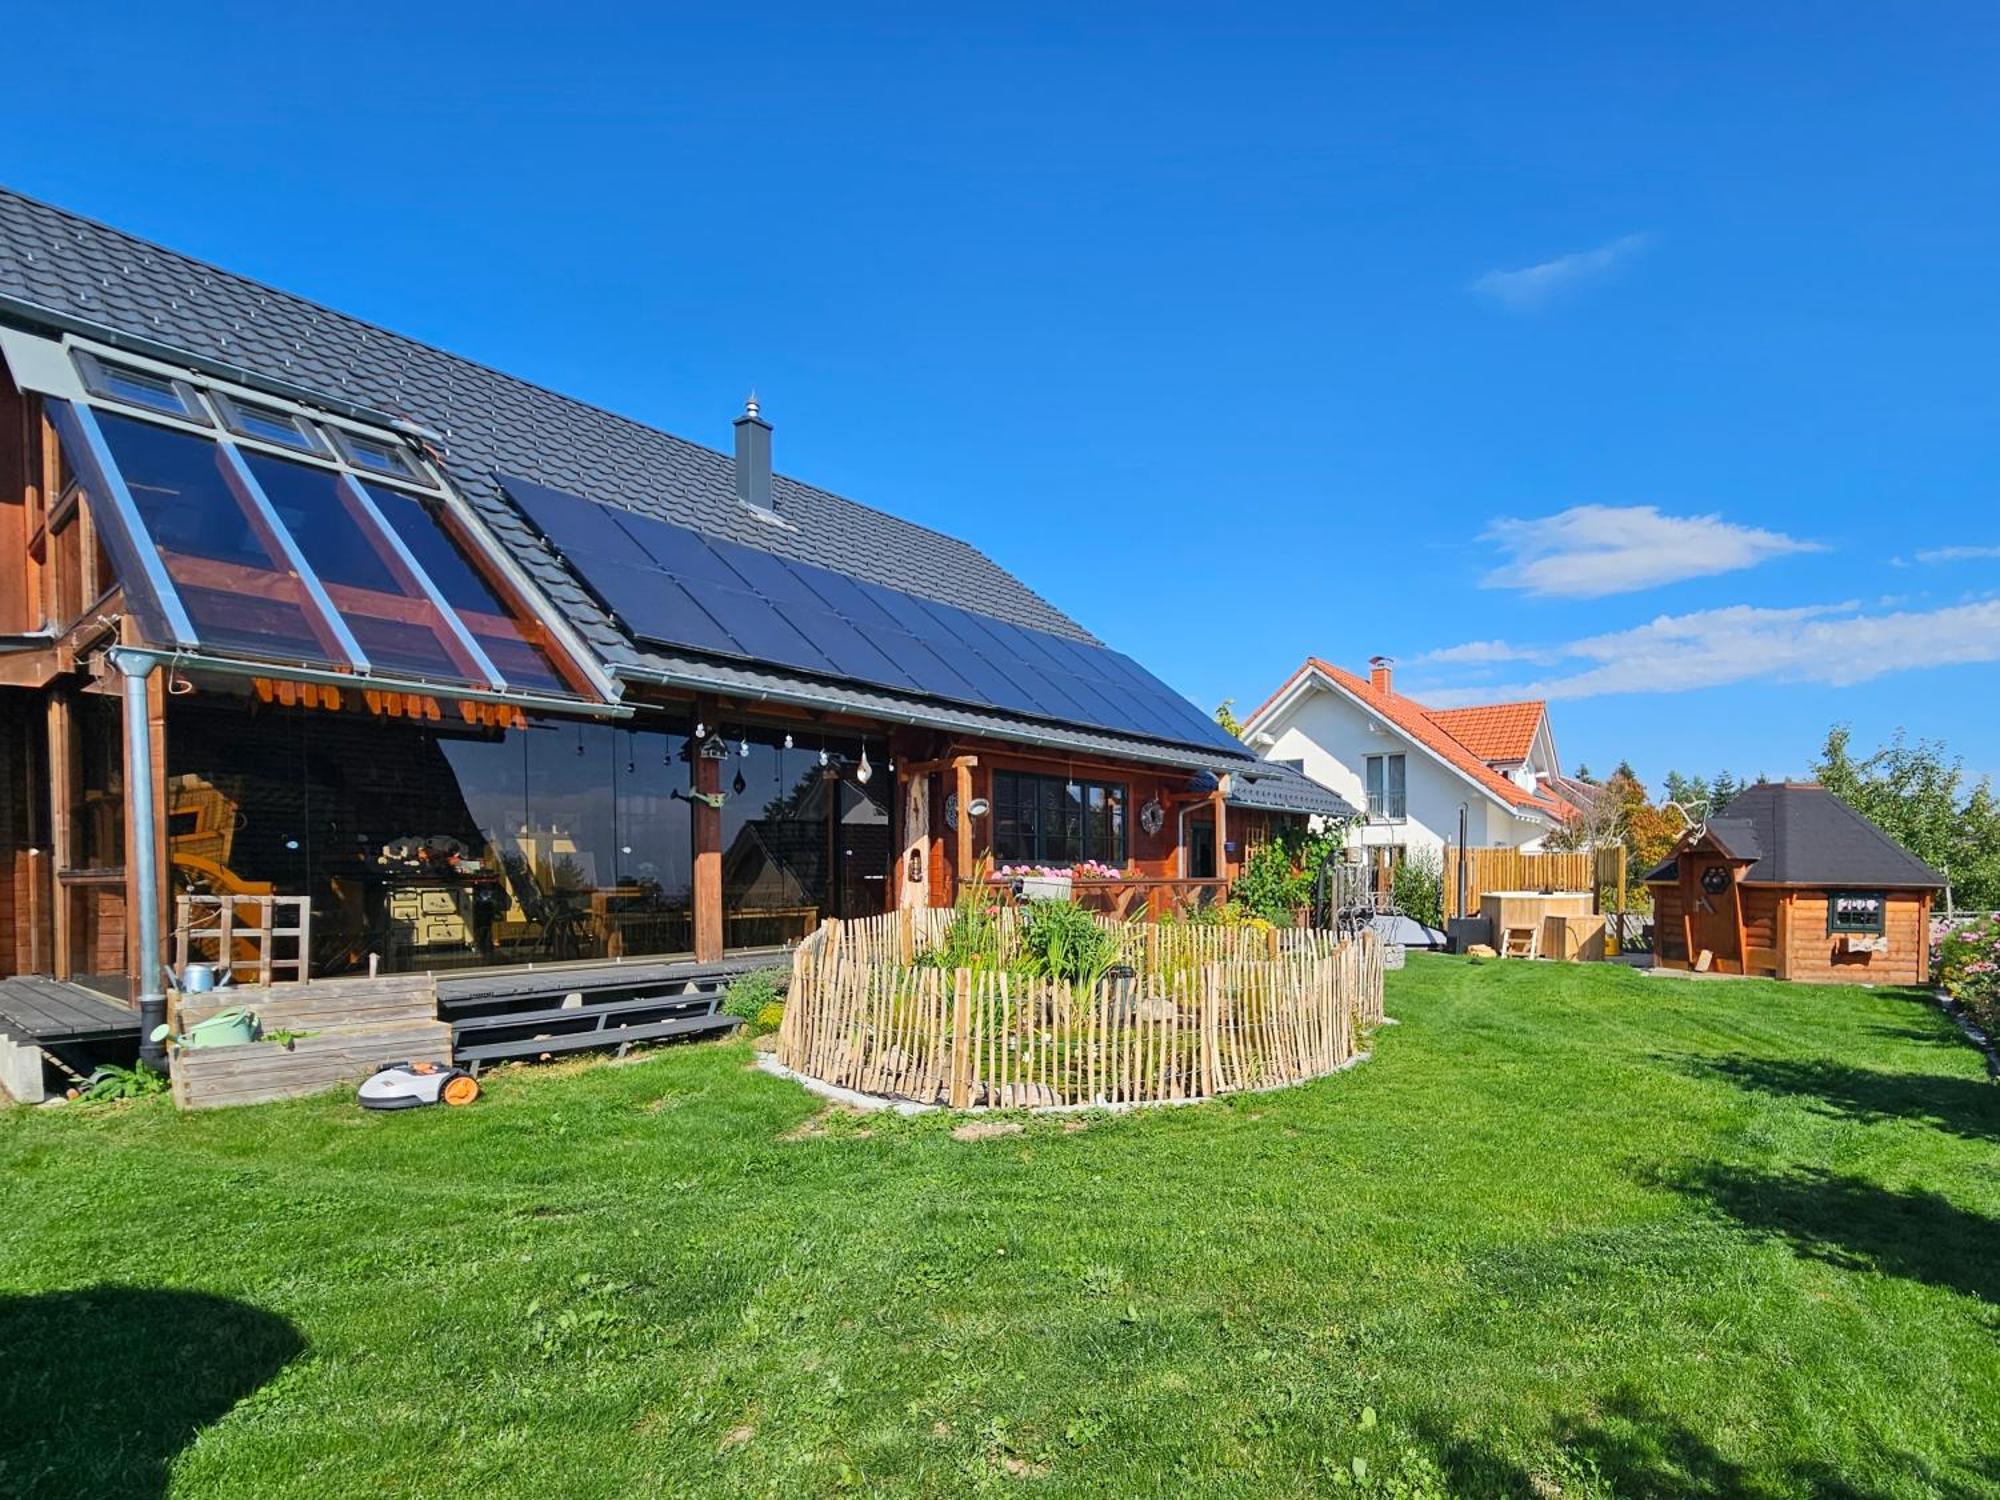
(1646, 365)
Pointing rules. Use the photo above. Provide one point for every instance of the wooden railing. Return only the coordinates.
(1207, 1011)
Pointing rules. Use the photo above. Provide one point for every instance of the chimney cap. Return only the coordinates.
(752, 409)
(1381, 661)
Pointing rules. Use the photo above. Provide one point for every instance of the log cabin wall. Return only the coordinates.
(1812, 953)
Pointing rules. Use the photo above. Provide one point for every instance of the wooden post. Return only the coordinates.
(708, 925)
(1219, 800)
(62, 794)
(962, 782)
(961, 1039)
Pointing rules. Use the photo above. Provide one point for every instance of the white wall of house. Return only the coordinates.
(1331, 735)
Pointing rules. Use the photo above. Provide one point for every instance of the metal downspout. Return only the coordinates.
(137, 667)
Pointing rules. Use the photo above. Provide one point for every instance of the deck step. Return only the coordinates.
(584, 1017)
(621, 1036)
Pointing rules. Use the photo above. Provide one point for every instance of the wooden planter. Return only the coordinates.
(358, 1025)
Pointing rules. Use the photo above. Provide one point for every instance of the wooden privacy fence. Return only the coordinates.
(1520, 870)
(1214, 1011)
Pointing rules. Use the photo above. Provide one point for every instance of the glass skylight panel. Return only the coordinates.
(382, 602)
(377, 455)
(131, 386)
(232, 578)
(514, 643)
(267, 424)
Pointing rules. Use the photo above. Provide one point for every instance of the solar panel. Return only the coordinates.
(580, 529)
(676, 549)
(762, 573)
(656, 608)
(674, 587)
(757, 627)
(929, 671)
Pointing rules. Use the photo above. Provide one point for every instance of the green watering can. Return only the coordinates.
(226, 1028)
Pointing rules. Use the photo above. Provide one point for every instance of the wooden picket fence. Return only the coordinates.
(1209, 1011)
(1522, 870)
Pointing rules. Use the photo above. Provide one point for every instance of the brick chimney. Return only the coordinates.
(753, 456)
(1380, 673)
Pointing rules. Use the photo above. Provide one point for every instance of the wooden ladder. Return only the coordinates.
(1521, 942)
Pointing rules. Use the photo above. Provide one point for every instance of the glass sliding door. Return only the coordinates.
(427, 846)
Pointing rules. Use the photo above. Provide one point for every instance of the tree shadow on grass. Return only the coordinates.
(1858, 1225)
(1629, 1446)
(101, 1387)
(1967, 1107)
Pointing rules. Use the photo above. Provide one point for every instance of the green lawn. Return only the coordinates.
(1570, 1230)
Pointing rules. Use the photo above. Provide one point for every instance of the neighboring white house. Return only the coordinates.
(1413, 768)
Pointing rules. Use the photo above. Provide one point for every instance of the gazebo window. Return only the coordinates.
(1855, 911)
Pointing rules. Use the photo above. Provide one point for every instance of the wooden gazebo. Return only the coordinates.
(1792, 883)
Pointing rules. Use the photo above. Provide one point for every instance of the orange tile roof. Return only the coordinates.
(1494, 731)
(1421, 724)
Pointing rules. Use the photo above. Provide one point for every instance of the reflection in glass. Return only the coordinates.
(434, 846)
(802, 841)
(380, 600)
(239, 593)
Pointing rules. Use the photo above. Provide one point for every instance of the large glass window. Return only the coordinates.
(514, 644)
(385, 608)
(1051, 820)
(233, 581)
(438, 846)
(802, 838)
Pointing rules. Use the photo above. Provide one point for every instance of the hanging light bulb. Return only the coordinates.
(788, 742)
(700, 730)
(824, 758)
(863, 771)
(743, 747)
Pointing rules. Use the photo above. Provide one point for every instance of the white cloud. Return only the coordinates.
(1589, 551)
(1531, 287)
(1837, 645)
(1956, 554)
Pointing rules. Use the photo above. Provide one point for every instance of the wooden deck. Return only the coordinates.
(51, 1013)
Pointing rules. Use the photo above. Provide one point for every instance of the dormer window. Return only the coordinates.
(380, 456)
(266, 424)
(131, 386)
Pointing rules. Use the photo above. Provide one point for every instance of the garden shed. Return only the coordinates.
(1792, 883)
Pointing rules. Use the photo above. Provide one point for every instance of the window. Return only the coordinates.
(267, 424)
(1049, 820)
(377, 456)
(1855, 911)
(134, 387)
(235, 583)
(1387, 789)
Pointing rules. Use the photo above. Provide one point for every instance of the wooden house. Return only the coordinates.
(315, 629)
(1792, 883)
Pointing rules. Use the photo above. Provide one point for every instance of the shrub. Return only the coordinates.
(749, 994)
(1271, 885)
(1969, 967)
(769, 1019)
(1060, 940)
(1418, 886)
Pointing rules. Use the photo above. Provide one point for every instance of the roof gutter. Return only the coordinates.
(918, 718)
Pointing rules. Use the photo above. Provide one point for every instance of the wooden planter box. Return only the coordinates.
(359, 1024)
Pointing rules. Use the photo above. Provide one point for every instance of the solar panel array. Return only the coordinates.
(674, 587)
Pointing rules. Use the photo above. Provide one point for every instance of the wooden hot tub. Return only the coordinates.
(1561, 923)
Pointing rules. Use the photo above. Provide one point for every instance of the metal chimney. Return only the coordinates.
(753, 457)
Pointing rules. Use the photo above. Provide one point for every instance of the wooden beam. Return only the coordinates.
(962, 781)
(708, 925)
(62, 789)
